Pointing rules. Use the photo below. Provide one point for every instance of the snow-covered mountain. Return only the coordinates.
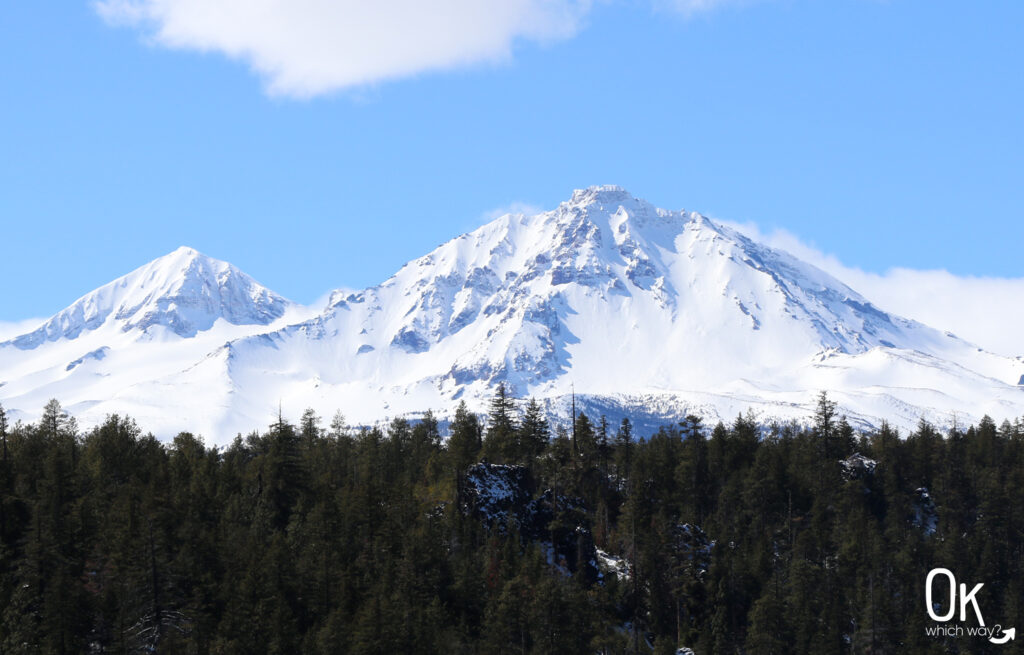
(184, 292)
(151, 323)
(642, 311)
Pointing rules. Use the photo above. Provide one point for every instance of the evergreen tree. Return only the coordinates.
(603, 442)
(586, 440)
(309, 425)
(465, 441)
(534, 432)
(624, 449)
(280, 475)
(501, 443)
(825, 416)
(339, 429)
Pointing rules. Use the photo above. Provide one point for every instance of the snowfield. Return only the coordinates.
(644, 312)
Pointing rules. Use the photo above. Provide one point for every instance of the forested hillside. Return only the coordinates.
(507, 537)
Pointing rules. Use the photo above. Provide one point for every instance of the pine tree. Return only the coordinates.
(339, 429)
(501, 443)
(309, 425)
(624, 449)
(586, 440)
(534, 432)
(56, 422)
(603, 443)
(692, 475)
(281, 475)
(770, 631)
(825, 416)
(56, 553)
(465, 441)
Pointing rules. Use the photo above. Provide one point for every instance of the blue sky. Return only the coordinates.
(885, 134)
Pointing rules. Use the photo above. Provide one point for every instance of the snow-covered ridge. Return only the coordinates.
(640, 310)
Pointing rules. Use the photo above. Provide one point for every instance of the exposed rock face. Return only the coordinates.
(496, 494)
(926, 515)
(857, 467)
(694, 547)
(503, 498)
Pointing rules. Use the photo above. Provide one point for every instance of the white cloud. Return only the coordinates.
(304, 48)
(491, 214)
(11, 329)
(984, 310)
(512, 208)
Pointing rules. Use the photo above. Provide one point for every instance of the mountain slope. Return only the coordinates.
(641, 311)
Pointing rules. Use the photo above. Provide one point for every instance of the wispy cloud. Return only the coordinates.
(513, 208)
(304, 48)
(491, 214)
(983, 310)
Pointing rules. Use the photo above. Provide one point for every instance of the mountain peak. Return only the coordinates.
(180, 265)
(183, 291)
(609, 199)
(605, 194)
(185, 251)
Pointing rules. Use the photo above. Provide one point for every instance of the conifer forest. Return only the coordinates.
(510, 532)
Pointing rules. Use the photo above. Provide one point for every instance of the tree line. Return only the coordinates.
(306, 538)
